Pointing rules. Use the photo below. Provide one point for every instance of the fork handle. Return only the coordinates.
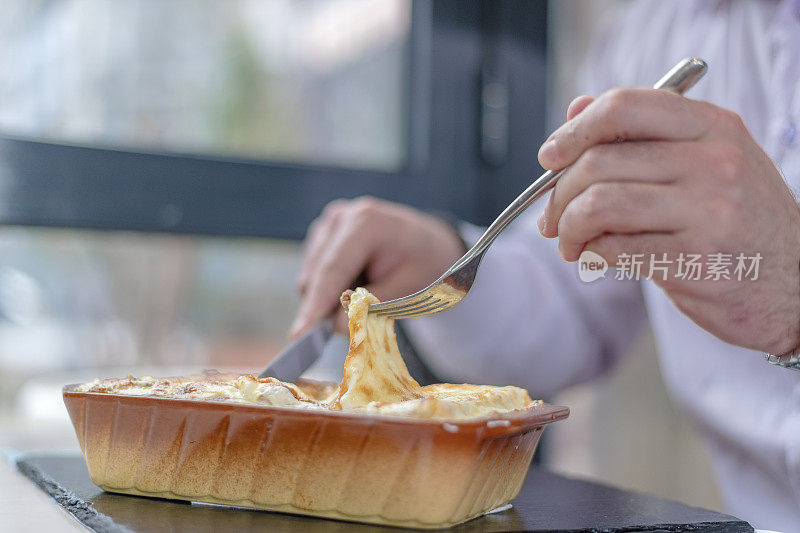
(679, 79)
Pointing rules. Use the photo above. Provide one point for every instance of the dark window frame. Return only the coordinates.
(457, 49)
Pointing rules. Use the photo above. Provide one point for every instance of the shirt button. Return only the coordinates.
(789, 134)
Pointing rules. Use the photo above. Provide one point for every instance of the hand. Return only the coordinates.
(399, 249)
(688, 178)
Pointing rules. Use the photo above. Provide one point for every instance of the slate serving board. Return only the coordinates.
(548, 502)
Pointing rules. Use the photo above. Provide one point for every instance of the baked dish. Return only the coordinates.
(377, 448)
(375, 380)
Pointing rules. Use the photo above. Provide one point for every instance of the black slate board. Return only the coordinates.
(548, 502)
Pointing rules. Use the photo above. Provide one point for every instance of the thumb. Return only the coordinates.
(577, 105)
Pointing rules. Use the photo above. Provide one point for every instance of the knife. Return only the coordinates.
(300, 355)
(327, 349)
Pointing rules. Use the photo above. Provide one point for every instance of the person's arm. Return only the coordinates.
(391, 249)
(689, 179)
(528, 320)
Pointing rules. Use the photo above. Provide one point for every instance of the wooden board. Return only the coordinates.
(548, 502)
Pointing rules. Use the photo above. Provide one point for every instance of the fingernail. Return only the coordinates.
(547, 153)
(540, 223)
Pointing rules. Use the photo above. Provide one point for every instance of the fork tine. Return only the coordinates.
(401, 303)
(417, 314)
(426, 310)
(424, 302)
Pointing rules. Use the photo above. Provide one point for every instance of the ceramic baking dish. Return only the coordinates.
(367, 468)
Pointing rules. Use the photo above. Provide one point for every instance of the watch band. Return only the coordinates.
(788, 360)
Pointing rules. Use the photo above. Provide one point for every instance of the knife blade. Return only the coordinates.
(299, 355)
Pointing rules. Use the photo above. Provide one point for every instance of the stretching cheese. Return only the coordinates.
(375, 380)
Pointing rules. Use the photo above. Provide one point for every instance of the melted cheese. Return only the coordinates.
(215, 386)
(374, 371)
(375, 380)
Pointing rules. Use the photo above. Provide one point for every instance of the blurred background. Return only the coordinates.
(160, 161)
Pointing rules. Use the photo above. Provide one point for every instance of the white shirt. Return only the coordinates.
(530, 321)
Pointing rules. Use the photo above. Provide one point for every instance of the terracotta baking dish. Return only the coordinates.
(366, 468)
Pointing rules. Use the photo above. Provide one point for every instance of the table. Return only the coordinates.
(23, 507)
(547, 502)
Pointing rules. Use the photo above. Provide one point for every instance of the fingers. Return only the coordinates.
(652, 162)
(619, 208)
(398, 248)
(344, 258)
(630, 114)
(611, 246)
(577, 105)
(319, 233)
(574, 109)
(340, 256)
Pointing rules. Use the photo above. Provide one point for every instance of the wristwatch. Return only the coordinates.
(787, 360)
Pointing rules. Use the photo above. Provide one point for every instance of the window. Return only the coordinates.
(441, 137)
(417, 112)
(311, 81)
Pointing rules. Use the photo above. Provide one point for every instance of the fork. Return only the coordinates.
(453, 286)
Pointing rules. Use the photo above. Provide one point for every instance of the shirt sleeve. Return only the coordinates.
(529, 319)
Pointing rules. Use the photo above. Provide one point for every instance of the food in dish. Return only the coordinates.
(378, 448)
(375, 380)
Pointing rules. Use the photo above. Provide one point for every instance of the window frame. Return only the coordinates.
(452, 46)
